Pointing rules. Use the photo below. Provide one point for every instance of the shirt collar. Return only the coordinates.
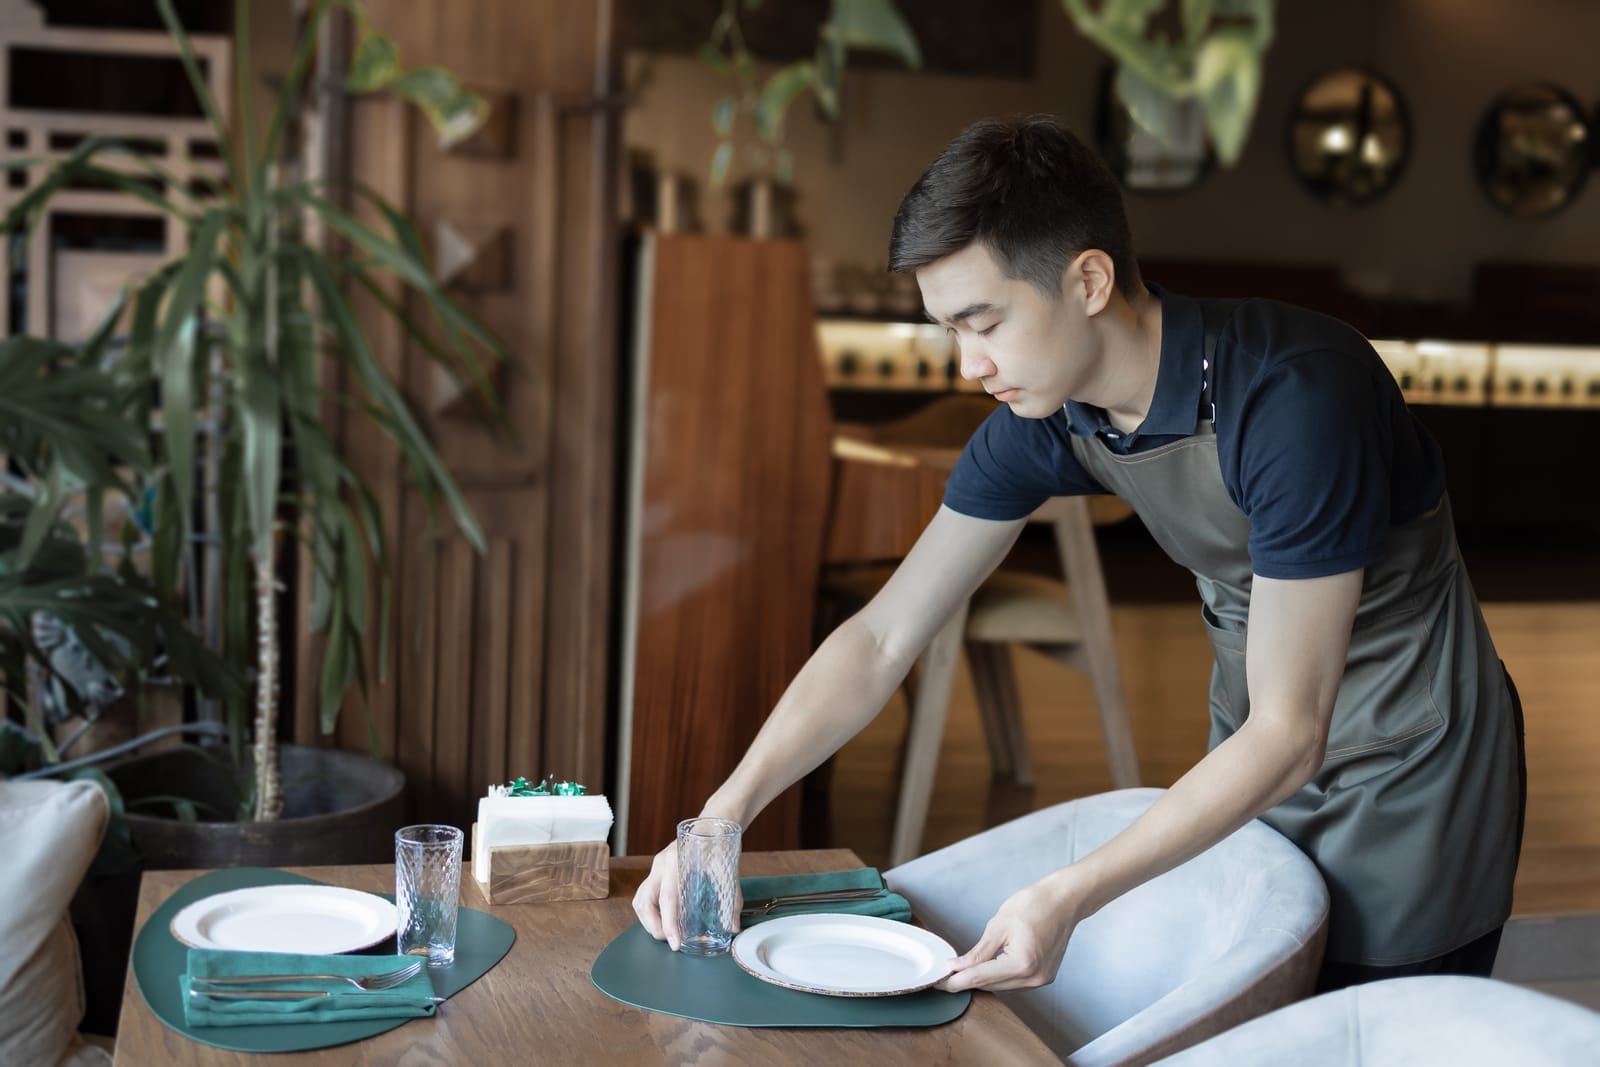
(1175, 406)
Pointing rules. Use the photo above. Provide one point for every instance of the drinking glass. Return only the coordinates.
(427, 891)
(708, 885)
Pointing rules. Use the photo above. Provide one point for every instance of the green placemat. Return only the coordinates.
(159, 960)
(639, 970)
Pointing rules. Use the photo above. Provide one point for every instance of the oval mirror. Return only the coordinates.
(1533, 150)
(1138, 158)
(1349, 137)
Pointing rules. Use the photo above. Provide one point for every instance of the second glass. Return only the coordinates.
(427, 891)
(708, 885)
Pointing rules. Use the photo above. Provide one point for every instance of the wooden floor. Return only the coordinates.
(1552, 650)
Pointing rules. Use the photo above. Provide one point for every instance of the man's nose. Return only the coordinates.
(975, 362)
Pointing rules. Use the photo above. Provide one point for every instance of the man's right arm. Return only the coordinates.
(845, 683)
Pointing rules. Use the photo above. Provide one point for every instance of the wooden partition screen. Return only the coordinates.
(500, 663)
(730, 431)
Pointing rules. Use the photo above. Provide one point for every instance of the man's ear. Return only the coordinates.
(1093, 276)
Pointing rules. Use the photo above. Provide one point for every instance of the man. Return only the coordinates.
(1357, 704)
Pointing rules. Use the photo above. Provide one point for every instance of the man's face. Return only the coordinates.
(1029, 351)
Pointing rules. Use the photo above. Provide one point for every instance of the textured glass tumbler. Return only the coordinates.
(708, 885)
(427, 892)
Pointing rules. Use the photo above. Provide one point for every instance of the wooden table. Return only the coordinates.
(538, 1006)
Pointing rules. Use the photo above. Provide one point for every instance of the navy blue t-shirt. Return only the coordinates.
(1316, 444)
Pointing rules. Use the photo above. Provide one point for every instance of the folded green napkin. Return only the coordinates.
(412, 998)
(889, 906)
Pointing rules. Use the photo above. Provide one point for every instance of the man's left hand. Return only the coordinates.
(1022, 945)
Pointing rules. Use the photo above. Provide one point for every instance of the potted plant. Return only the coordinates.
(233, 336)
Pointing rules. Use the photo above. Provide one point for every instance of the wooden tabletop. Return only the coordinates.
(538, 1005)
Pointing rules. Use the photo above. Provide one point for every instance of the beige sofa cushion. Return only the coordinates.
(49, 832)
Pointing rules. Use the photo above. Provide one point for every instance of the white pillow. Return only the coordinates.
(49, 833)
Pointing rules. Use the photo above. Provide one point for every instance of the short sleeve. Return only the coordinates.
(1011, 465)
(1315, 461)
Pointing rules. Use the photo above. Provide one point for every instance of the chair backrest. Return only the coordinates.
(1152, 963)
(1461, 1021)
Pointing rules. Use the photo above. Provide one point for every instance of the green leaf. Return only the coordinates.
(1197, 15)
(722, 116)
(260, 417)
(714, 58)
(1154, 110)
(287, 103)
(454, 112)
(376, 64)
(1228, 72)
(197, 82)
(720, 161)
(43, 517)
(779, 93)
(785, 174)
(334, 679)
(174, 349)
(875, 25)
(354, 350)
(830, 71)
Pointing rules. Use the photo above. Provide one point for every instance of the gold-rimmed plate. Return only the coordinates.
(844, 955)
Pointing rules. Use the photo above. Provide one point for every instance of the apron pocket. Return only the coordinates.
(1230, 693)
(1386, 696)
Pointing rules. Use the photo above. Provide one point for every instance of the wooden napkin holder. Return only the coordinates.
(528, 874)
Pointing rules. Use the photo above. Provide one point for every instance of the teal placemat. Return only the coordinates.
(159, 960)
(639, 970)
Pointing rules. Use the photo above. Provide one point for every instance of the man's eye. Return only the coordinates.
(991, 329)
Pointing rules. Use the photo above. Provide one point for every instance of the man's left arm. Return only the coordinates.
(1298, 638)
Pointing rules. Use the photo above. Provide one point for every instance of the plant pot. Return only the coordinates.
(339, 807)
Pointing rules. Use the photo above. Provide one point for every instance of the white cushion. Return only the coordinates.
(49, 832)
(1234, 933)
(1445, 1019)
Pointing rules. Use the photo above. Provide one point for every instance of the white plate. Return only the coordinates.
(316, 920)
(844, 955)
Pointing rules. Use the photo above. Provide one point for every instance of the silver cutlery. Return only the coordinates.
(369, 982)
(269, 994)
(763, 907)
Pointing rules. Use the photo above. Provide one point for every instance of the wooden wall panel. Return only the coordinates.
(511, 676)
(735, 445)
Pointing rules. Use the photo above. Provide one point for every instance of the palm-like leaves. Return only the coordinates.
(73, 430)
(278, 306)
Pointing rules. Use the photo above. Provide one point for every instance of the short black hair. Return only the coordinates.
(1027, 188)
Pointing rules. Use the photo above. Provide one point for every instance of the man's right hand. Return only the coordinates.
(656, 902)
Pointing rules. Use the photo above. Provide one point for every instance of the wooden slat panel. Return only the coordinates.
(736, 465)
(419, 607)
(452, 716)
(544, 498)
(492, 673)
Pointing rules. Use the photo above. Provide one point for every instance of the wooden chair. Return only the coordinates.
(884, 491)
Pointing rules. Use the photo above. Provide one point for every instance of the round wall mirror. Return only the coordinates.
(1533, 150)
(1349, 137)
(1138, 158)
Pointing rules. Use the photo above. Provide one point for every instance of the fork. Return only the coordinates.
(369, 982)
(824, 897)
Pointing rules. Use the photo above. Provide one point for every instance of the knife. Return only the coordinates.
(272, 994)
(825, 896)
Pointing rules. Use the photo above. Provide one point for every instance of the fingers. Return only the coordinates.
(668, 893)
(656, 901)
(994, 964)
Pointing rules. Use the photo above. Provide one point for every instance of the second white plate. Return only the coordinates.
(844, 955)
(314, 920)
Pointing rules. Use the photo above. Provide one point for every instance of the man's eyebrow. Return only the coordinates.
(965, 313)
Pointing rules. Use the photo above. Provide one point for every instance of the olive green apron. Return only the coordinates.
(1414, 817)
